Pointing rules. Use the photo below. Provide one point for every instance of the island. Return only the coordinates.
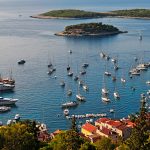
(69, 14)
(132, 13)
(81, 14)
(89, 29)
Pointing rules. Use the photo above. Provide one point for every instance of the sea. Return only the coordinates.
(40, 95)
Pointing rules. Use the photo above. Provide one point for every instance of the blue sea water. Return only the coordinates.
(40, 95)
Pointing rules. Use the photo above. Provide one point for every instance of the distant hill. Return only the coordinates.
(133, 13)
(81, 14)
(70, 13)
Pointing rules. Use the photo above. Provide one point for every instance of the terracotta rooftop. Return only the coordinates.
(89, 127)
(114, 123)
(122, 127)
(103, 120)
(106, 131)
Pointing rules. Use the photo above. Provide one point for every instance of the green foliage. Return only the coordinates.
(123, 147)
(67, 140)
(17, 137)
(133, 12)
(105, 144)
(92, 28)
(87, 146)
(139, 139)
(73, 13)
(73, 124)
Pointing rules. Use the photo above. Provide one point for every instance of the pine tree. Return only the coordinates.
(140, 133)
(73, 124)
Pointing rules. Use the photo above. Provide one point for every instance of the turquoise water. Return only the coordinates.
(40, 95)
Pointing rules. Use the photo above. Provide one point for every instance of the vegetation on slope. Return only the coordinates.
(92, 27)
(73, 13)
(133, 13)
(89, 29)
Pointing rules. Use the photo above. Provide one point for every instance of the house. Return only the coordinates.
(112, 128)
(88, 129)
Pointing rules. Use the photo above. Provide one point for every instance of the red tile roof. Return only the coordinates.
(89, 127)
(103, 120)
(114, 123)
(122, 127)
(106, 131)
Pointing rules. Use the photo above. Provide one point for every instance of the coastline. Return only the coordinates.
(109, 15)
(51, 17)
(89, 34)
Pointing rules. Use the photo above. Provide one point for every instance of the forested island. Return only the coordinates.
(89, 29)
(69, 13)
(135, 13)
(81, 14)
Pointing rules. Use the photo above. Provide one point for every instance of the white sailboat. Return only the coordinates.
(116, 95)
(85, 87)
(79, 96)
(105, 99)
(104, 90)
(102, 55)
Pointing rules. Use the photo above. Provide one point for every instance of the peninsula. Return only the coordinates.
(69, 14)
(133, 13)
(81, 14)
(89, 29)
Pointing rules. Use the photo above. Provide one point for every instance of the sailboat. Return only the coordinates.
(69, 103)
(62, 83)
(104, 91)
(116, 95)
(105, 98)
(123, 80)
(102, 55)
(79, 96)
(8, 80)
(85, 87)
(107, 73)
(51, 68)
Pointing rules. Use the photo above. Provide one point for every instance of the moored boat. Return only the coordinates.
(116, 95)
(21, 62)
(85, 87)
(107, 73)
(69, 92)
(6, 87)
(80, 97)
(85, 65)
(62, 83)
(7, 101)
(102, 55)
(148, 82)
(111, 110)
(66, 112)
(70, 73)
(105, 99)
(123, 80)
(4, 109)
(105, 91)
(69, 104)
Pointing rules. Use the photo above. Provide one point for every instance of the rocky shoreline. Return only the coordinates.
(109, 15)
(51, 17)
(89, 34)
